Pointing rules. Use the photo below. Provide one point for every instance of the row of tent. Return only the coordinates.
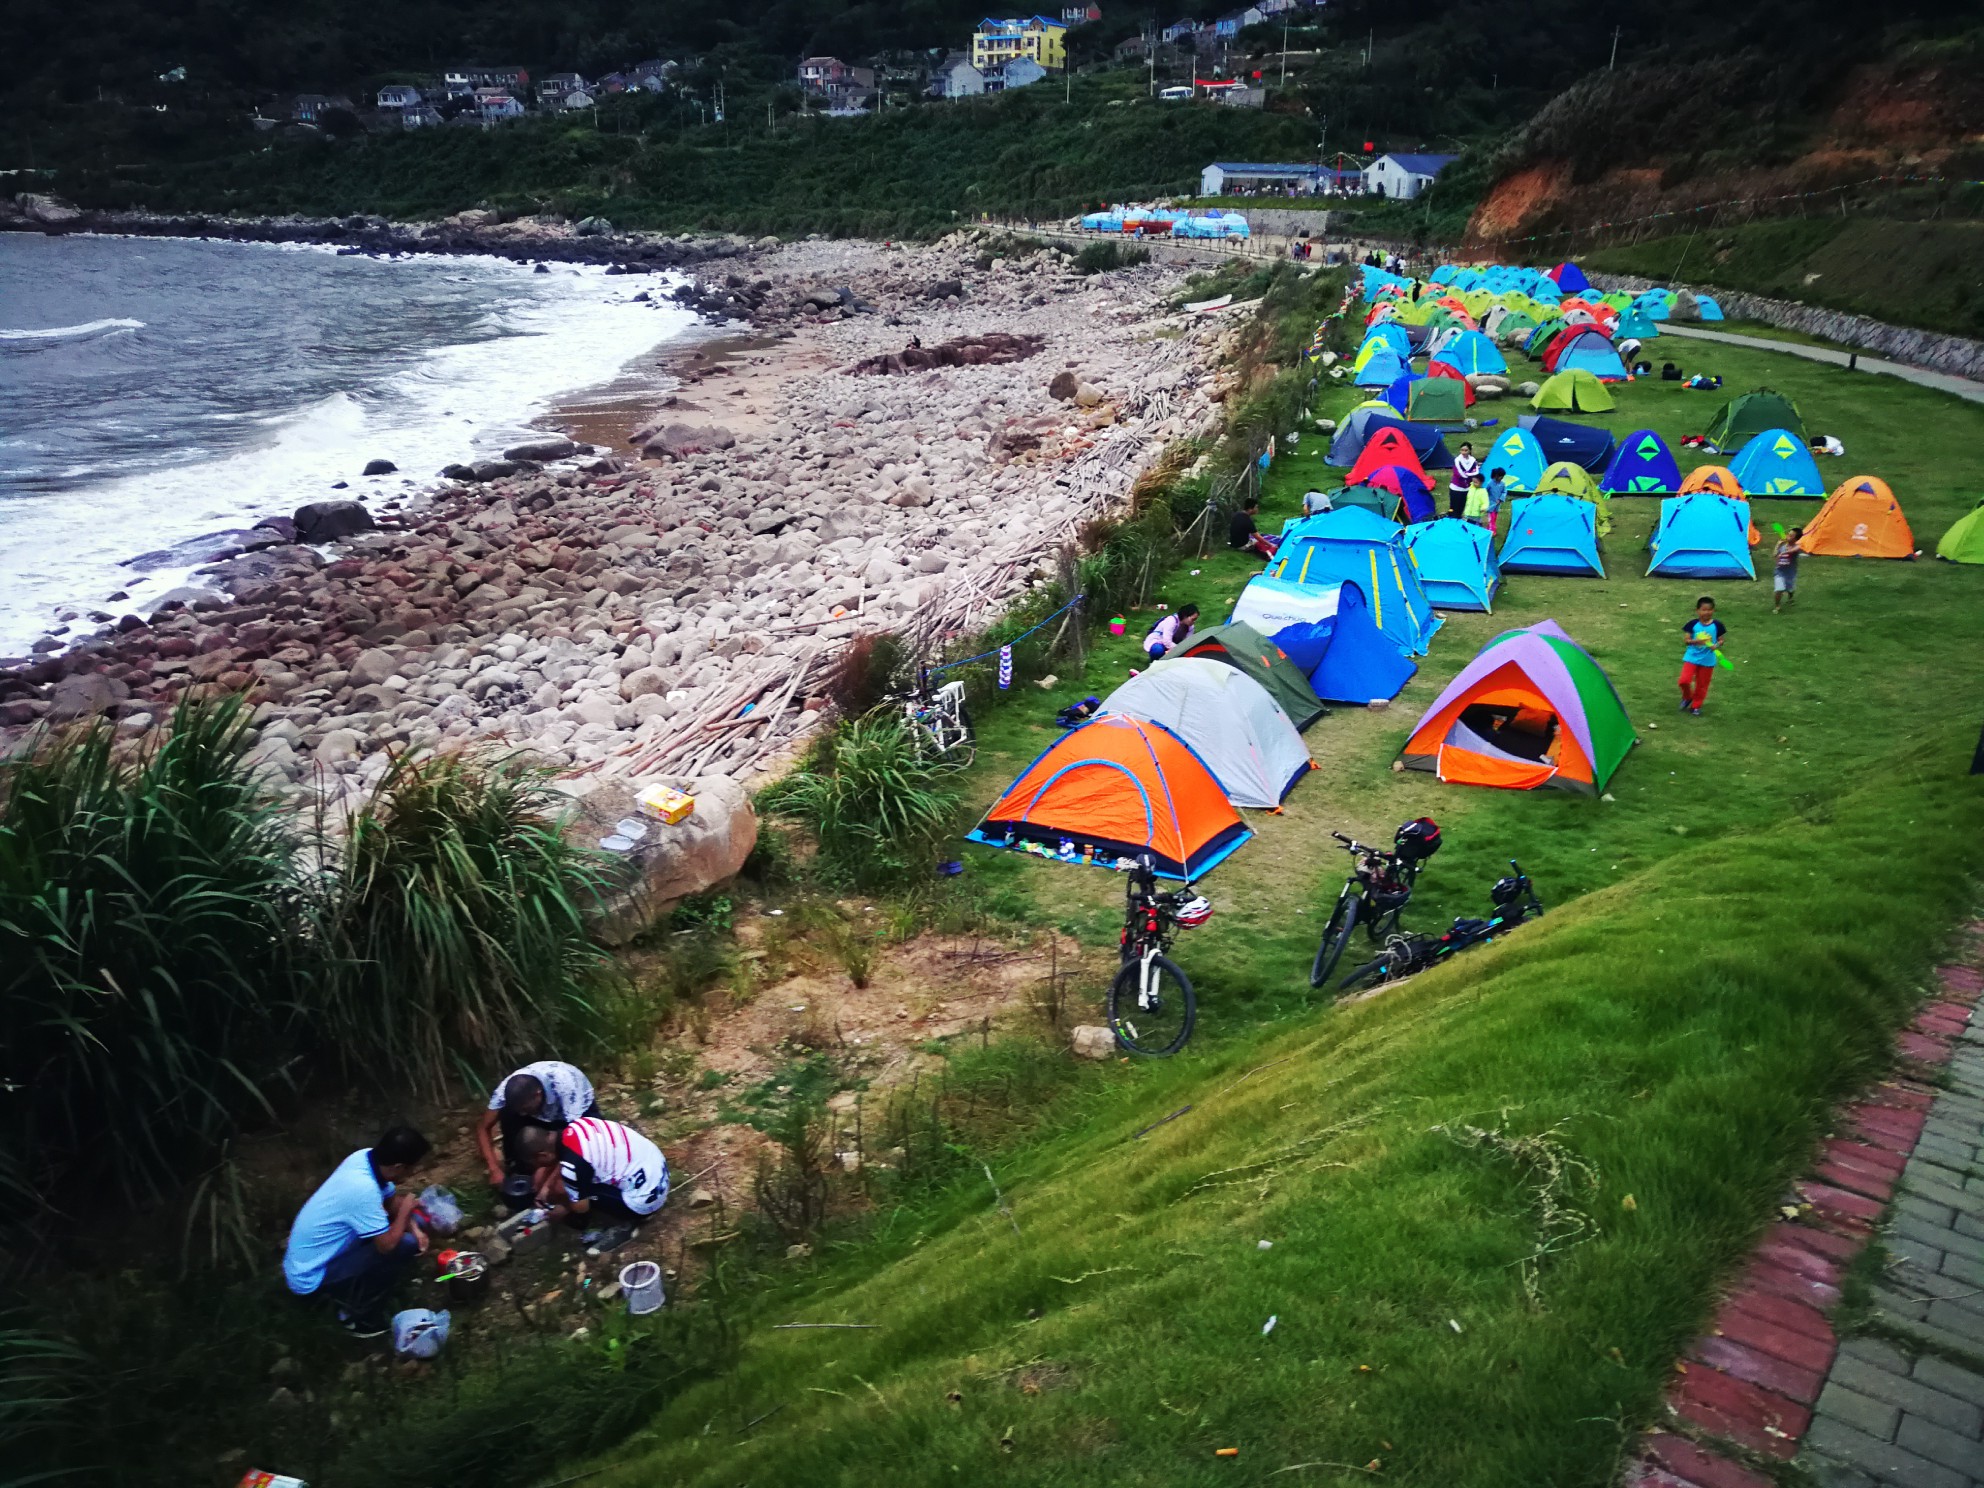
(1163, 770)
(1167, 222)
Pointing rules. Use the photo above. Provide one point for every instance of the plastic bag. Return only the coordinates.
(419, 1333)
(440, 1210)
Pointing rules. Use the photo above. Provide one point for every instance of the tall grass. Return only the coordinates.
(875, 799)
(149, 951)
(455, 920)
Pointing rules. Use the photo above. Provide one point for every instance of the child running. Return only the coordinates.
(1704, 634)
(1784, 571)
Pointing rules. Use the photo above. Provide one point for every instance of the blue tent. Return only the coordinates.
(1330, 634)
(1562, 440)
(1643, 466)
(1355, 546)
(1570, 279)
(1593, 352)
(1385, 368)
(1636, 324)
(1471, 352)
(1702, 536)
(1707, 308)
(1398, 392)
(1389, 333)
(1518, 453)
(1376, 279)
(1456, 563)
(1552, 535)
(1360, 424)
(1776, 463)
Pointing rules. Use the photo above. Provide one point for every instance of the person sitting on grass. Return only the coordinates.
(1170, 631)
(355, 1238)
(1242, 531)
(1784, 570)
(547, 1094)
(1704, 634)
(601, 1170)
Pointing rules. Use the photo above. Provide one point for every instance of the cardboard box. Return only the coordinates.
(665, 803)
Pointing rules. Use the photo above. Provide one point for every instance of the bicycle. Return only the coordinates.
(1514, 899)
(940, 718)
(1376, 892)
(1151, 1007)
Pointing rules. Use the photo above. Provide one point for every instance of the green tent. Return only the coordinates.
(1513, 327)
(1433, 399)
(1539, 338)
(1752, 413)
(1964, 542)
(1244, 647)
(1371, 500)
(1575, 391)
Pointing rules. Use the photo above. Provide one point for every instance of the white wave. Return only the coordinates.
(74, 332)
(576, 329)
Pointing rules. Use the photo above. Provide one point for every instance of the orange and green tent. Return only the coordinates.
(1118, 787)
(1531, 710)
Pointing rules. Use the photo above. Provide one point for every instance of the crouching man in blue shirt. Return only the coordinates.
(355, 1239)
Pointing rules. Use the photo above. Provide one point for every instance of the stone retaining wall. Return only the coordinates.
(1954, 354)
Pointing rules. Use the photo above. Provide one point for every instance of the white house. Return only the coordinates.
(399, 96)
(1020, 72)
(555, 85)
(1403, 176)
(578, 98)
(421, 116)
(957, 78)
(1225, 177)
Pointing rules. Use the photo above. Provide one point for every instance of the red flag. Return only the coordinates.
(1257, 72)
(1369, 147)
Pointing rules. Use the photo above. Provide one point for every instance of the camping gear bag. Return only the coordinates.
(1417, 840)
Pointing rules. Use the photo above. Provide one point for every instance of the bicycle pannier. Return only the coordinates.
(1418, 840)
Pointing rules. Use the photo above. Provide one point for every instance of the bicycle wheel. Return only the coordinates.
(1370, 974)
(1155, 1019)
(1336, 939)
(964, 740)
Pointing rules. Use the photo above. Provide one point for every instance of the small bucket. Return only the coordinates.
(1117, 625)
(470, 1283)
(642, 1284)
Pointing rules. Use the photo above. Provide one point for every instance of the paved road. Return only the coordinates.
(1962, 387)
(1904, 1404)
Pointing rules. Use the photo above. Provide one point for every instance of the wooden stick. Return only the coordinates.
(781, 1327)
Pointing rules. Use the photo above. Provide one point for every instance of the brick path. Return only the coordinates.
(1901, 1403)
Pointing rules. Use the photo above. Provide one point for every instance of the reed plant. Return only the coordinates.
(454, 921)
(149, 952)
(874, 797)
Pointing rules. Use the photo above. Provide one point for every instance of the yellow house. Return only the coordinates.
(997, 42)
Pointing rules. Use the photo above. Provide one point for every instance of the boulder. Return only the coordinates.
(49, 211)
(83, 695)
(944, 289)
(379, 467)
(541, 450)
(1088, 396)
(593, 227)
(373, 667)
(327, 521)
(671, 862)
(643, 681)
(1063, 387)
(1093, 1041)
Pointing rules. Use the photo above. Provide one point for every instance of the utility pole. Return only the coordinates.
(1609, 66)
(1370, 40)
(1284, 49)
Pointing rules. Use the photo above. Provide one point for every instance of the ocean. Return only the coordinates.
(152, 390)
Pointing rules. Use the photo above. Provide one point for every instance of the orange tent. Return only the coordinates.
(1388, 446)
(1859, 520)
(1118, 787)
(1715, 479)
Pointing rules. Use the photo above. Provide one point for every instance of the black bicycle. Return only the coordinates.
(938, 718)
(1514, 899)
(1151, 1007)
(1376, 893)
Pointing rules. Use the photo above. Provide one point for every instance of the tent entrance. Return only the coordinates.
(1512, 745)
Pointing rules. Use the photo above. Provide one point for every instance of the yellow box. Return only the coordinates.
(665, 803)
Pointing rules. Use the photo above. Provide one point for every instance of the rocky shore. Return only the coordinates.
(672, 606)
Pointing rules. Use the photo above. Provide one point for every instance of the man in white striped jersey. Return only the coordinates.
(602, 1170)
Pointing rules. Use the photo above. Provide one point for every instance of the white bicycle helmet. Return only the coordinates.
(1194, 912)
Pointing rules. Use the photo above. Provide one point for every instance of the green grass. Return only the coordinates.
(1731, 940)
(1908, 273)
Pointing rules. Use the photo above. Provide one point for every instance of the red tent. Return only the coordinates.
(1388, 446)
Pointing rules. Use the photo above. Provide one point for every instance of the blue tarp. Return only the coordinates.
(1353, 546)
(1702, 536)
(1776, 463)
(1643, 466)
(1552, 535)
(1346, 657)
(1456, 563)
(1581, 444)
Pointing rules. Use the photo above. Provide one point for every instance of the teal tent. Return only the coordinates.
(1702, 536)
(1553, 535)
(1776, 463)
